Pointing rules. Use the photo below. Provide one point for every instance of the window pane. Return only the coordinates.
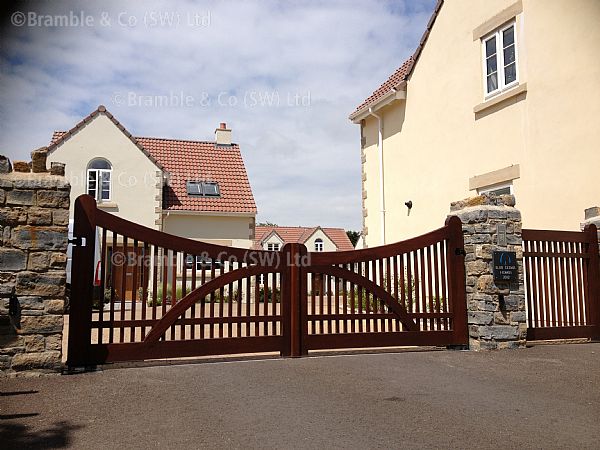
(509, 55)
(92, 182)
(492, 82)
(100, 164)
(510, 73)
(501, 191)
(490, 47)
(508, 36)
(491, 65)
(211, 189)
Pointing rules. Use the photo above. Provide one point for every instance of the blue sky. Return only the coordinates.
(283, 75)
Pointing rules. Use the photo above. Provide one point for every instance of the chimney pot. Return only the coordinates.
(223, 135)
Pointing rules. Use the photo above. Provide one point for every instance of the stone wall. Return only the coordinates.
(592, 215)
(34, 219)
(496, 311)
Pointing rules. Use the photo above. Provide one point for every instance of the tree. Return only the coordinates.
(354, 236)
(266, 224)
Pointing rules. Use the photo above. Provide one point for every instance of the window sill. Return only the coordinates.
(493, 101)
(107, 205)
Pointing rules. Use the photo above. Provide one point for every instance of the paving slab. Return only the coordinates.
(539, 397)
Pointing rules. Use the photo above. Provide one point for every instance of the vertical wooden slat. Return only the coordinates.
(165, 290)
(345, 299)
(402, 280)
(203, 300)
(238, 299)
(193, 288)
(265, 308)
(417, 286)
(571, 301)
(211, 314)
(368, 296)
(274, 303)
(145, 281)
(221, 299)
(123, 290)
(429, 286)
(563, 284)
(436, 283)
(154, 282)
(530, 288)
(352, 268)
(182, 328)
(579, 283)
(104, 266)
(255, 324)
(546, 279)
(360, 299)
(113, 270)
(134, 288)
(444, 276)
(173, 286)
(248, 301)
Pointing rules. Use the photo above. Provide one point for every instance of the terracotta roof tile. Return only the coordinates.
(301, 234)
(192, 161)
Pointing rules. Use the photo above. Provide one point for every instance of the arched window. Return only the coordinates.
(99, 179)
(318, 245)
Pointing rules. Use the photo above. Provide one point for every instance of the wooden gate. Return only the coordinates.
(189, 298)
(562, 284)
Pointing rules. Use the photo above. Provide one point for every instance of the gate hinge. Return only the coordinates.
(460, 251)
(77, 241)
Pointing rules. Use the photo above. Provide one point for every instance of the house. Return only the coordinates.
(193, 189)
(316, 239)
(500, 96)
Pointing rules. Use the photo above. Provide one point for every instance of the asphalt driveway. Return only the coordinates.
(541, 397)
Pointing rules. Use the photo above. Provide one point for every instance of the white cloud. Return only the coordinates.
(323, 57)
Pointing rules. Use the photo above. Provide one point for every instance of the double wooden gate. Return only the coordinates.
(562, 284)
(189, 298)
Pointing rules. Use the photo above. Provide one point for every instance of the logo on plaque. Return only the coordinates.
(505, 266)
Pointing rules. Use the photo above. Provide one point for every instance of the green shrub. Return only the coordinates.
(272, 295)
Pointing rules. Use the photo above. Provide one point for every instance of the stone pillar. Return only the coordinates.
(592, 216)
(496, 310)
(34, 219)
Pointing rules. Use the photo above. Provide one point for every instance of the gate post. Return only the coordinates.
(82, 280)
(593, 277)
(495, 309)
(456, 278)
(293, 298)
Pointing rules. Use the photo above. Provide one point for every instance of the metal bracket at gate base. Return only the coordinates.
(77, 241)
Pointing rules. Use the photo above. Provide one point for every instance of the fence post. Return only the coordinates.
(82, 279)
(291, 298)
(456, 271)
(593, 277)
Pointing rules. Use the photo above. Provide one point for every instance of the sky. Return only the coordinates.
(284, 76)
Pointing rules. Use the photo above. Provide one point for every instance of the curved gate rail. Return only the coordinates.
(165, 296)
(407, 293)
(562, 283)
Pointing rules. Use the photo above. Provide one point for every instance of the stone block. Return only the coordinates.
(501, 318)
(60, 217)
(497, 213)
(38, 216)
(5, 362)
(54, 342)
(20, 197)
(12, 216)
(5, 166)
(38, 160)
(43, 284)
(480, 318)
(55, 306)
(499, 332)
(50, 360)
(472, 216)
(22, 166)
(484, 251)
(514, 303)
(38, 261)
(58, 260)
(53, 199)
(12, 259)
(518, 316)
(11, 344)
(478, 239)
(2, 196)
(477, 267)
(41, 324)
(485, 284)
(57, 168)
(35, 343)
(31, 303)
(39, 238)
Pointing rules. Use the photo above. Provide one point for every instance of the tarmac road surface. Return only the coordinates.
(541, 397)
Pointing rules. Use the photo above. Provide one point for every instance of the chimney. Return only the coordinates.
(223, 135)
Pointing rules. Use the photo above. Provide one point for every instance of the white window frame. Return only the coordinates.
(273, 246)
(99, 172)
(319, 245)
(497, 35)
(495, 187)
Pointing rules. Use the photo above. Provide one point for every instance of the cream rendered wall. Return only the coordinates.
(273, 239)
(223, 230)
(135, 179)
(328, 245)
(434, 142)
